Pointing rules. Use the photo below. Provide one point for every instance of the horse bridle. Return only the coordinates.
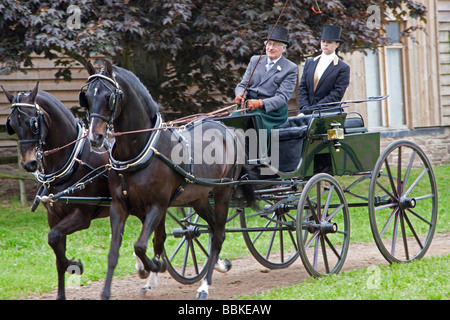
(116, 94)
(34, 122)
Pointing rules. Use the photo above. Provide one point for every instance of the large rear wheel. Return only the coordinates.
(403, 202)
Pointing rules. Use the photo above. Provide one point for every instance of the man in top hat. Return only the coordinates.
(325, 77)
(272, 83)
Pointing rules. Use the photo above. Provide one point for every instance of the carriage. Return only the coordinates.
(300, 209)
(304, 210)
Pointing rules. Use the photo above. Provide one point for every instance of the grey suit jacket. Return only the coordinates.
(274, 88)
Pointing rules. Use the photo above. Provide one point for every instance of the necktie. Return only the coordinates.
(269, 66)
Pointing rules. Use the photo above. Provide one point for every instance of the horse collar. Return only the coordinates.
(146, 155)
(67, 170)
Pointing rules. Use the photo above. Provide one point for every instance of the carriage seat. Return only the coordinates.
(291, 136)
(293, 132)
(354, 124)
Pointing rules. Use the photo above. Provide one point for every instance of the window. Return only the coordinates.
(384, 75)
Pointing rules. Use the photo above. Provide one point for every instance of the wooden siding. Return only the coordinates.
(443, 25)
(44, 71)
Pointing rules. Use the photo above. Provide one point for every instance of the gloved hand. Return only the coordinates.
(239, 99)
(253, 104)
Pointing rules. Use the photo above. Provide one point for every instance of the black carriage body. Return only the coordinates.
(305, 148)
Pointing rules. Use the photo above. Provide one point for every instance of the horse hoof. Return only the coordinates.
(223, 265)
(143, 274)
(145, 289)
(202, 295)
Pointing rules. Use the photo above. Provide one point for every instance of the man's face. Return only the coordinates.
(328, 47)
(274, 49)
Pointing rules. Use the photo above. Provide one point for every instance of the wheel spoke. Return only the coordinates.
(399, 172)
(272, 239)
(331, 216)
(405, 243)
(327, 203)
(420, 217)
(391, 180)
(393, 214)
(177, 249)
(332, 247)
(324, 254)
(416, 182)
(413, 231)
(394, 236)
(386, 190)
(408, 171)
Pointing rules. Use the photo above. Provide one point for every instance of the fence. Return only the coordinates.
(10, 142)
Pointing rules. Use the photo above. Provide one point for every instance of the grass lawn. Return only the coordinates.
(27, 263)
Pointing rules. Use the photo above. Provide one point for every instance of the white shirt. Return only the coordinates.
(324, 62)
(274, 61)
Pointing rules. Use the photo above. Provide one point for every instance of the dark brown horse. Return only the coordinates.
(141, 182)
(43, 123)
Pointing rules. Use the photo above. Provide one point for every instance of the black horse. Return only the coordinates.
(143, 181)
(42, 123)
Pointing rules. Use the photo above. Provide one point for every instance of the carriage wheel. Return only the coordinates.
(323, 226)
(186, 250)
(272, 239)
(403, 202)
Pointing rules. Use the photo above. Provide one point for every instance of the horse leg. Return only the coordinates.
(216, 219)
(152, 219)
(158, 247)
(73, 222)
(117, 219)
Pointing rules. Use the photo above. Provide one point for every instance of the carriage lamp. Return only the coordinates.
(335, 134)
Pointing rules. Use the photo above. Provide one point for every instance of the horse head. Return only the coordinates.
(102, 100)
(30, 122)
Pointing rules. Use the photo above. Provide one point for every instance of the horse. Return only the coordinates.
(143, 182)
(42, 123)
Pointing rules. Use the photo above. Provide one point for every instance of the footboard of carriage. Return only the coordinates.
(302, 209)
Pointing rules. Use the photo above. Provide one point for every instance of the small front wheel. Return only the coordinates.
(186, 251)
(323, 226)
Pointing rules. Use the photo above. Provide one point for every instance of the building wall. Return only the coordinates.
(44, 72)
(443, 27)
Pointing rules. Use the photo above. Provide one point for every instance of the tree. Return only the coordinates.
(182, 50)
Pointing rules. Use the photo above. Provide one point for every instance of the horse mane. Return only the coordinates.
(45, 98)
(134, 84)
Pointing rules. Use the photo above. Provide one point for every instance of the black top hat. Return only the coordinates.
(280, 34)
(331, 33)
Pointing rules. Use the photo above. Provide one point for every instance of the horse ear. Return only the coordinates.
(34, 92)
(9, 96)
(108, 68)
(90, 68)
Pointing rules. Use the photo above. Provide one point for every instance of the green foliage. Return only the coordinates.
(174, 46)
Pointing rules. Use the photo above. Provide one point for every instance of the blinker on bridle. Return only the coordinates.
(112, 102)
(35, 123)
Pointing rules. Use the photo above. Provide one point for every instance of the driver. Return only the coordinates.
(273, 81)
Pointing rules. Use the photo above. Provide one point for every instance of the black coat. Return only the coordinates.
(330, 88)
